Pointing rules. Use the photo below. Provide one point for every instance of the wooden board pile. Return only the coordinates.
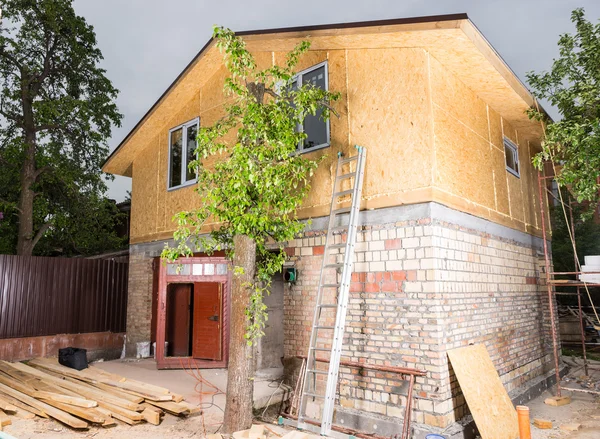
(44, 388)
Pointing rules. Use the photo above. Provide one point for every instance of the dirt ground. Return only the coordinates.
(583, 410)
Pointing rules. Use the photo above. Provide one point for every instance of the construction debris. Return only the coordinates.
(44, 388)
(557, 401)
(570, 427)
(542, 424)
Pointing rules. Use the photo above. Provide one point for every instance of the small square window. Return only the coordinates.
(316, 129)
(511, 152)
(182, 151)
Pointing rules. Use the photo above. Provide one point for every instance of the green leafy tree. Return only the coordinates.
(252, 191)
(56, 113)
(573, 87)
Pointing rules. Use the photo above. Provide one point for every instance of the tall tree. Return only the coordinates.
(252, 191)
(573, 87)
(56, 113)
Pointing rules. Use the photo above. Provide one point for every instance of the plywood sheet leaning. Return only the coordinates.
(492, 409)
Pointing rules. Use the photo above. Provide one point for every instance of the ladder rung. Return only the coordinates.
(342, 193)
(342, 245)
(325, 327)
(334, 266)
(342, 210)
(345, 176)
(348, 160)
(307, 418)
(314, 395)
(328, 305)
(321, 349)
(322, 372)
(331, 285)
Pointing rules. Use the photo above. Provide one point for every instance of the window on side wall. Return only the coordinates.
(511, 151)
(182, 150)
(316, 129)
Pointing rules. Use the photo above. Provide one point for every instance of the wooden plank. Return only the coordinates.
(492, 409)
(124, 395)
(71, 400)
(177, 398)
(78, 387)
(117, 416)
(130, 414)
(22, 407)
(145, 405)
(48, 409)
(46, 363)
(151, 416)
(6, 406)
(141, 389)
(111, 376)
(138, 390)
(171, 407)
(88, 414)
(4, 419)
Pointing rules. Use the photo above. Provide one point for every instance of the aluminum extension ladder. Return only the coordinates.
(320, 331)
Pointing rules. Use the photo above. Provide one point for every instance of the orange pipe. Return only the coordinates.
(524, 425)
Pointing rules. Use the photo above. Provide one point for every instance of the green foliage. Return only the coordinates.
(258, 181)
(56, 102)
(573, 87)
(587, 236)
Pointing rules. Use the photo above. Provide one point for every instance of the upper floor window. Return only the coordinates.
(182, 150)
(316, 129)
(511, 151)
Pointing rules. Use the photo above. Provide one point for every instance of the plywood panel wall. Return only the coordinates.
(429, 138)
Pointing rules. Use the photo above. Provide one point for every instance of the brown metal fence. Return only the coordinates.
(47, 296)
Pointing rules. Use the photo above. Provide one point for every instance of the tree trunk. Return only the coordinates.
(242, 361)
(25, 239)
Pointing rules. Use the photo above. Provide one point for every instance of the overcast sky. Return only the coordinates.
(147, 43)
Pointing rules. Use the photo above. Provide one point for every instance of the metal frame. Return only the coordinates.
(342, 287)
(297, 76)
(552, 283)
(184, 150)
(515, 150)
(164, 279)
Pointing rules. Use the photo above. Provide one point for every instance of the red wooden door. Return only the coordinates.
(178, 320)
(208, 315)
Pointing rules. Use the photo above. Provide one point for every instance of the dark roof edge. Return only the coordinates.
(355, 24)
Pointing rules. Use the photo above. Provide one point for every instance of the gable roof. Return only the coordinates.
(459, 27)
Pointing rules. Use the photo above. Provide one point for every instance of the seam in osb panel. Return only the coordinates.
(487, 111)
(433, 144)
(461, 122)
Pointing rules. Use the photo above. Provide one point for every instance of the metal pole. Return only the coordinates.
(581, 327)
(548, 285)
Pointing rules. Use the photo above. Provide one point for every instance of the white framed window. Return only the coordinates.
(511, 151)
(182, 150)
(316, 129)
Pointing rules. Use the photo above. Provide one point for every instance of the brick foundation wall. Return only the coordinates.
(421, 287)
(139, 303)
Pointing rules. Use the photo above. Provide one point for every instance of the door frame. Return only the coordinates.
(188, 265)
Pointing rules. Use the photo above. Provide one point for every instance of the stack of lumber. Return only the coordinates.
(44, 388)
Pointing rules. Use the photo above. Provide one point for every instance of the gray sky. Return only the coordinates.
(147, 43)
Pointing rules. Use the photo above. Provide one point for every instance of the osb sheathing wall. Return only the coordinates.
(389, 105)
(429, 138)
(469, 162)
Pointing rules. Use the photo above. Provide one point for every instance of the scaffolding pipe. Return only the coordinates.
(548, 284)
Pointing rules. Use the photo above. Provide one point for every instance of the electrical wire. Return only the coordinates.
(193, 370)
